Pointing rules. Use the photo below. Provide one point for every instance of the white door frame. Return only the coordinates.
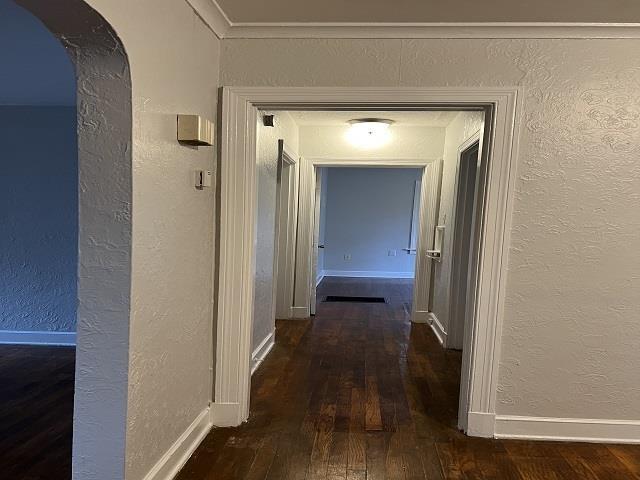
(305, 274)
(238, 213)
(454, 334)
(285, 254)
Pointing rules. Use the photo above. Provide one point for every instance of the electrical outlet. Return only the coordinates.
(347, 256)
(393, 253)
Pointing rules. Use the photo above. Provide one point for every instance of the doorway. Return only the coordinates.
(465, 208)
(367, 224)
(95, 282)
(241, 107)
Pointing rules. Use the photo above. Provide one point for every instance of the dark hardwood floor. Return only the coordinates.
(360, 393)
(36, 412)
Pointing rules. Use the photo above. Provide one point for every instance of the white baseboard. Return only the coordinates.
(37, 338)
(300, 312)
(567, 429)
(437, 328)
(319, 277)
(225, 414)
(420, 316)
(481, 424)
(261, 351)
(367, 274)
(174, 459)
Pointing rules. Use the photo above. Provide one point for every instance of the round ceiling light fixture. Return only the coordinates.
(369, 132)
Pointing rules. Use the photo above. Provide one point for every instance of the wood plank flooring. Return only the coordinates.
(356, 394)
(36, 412)
(360, 393)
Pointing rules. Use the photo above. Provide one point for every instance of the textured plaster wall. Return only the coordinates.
(368, 213)
(39, 218)
(463, 126)
(406, 142)
(173, 235)
(158, 373)
(570, 333)
(104, 240)
(267, 176)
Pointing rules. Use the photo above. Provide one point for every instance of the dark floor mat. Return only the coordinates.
(346, 298)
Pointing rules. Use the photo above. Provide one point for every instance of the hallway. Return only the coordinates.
(360, 393)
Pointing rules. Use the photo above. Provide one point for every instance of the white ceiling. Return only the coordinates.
(418, 11)
(325, 118)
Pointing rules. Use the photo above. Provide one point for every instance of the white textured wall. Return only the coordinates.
(406, 142)
(173, 229)
(570, 332)
(267, 164)
(463, 126)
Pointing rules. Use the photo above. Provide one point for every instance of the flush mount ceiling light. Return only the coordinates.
(369, 132)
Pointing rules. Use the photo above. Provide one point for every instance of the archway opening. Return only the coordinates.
(68, 206)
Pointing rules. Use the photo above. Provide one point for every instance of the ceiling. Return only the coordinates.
(419, 11)
(324, 118)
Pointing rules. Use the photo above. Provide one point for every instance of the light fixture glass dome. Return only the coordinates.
(369, 132)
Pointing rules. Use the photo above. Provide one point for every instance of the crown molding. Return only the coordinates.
(212, 15)
(215, 18)
(434, 30)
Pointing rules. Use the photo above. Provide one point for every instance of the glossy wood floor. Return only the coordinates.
(360, 393)
(36, 412)
(357, 393)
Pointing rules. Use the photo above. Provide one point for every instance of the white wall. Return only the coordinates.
(368, 213)
(570, 333)
(463, 126)
(406, 142)
(166, 360)
(267, 158)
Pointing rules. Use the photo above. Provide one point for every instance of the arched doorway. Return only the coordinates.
(104, 232)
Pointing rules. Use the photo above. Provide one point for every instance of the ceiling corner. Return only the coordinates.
(212, 15)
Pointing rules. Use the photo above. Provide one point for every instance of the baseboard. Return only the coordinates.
(437, 328)
(225, 414)
(420, 316)
(319, 277)
(37, 338)
(367, 274)
(481, 424)
(261, 351)
(300, 312)
(567, 429)
(174, 459)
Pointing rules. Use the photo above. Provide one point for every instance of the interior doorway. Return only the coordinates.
(76, 276)
(285, 238)
(369, 222)
(242, 108)
(466, 202)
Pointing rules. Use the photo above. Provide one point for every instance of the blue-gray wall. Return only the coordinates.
(34, 67)
(368, 213)
(38, 177)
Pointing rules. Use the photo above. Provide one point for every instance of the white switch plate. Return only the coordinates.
(204, 178)
(393, 253)
(347, 256)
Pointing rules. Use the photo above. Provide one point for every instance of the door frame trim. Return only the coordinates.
(238, 213)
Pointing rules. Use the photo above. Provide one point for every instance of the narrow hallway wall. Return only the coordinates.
(459, 130)
(285, 129)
